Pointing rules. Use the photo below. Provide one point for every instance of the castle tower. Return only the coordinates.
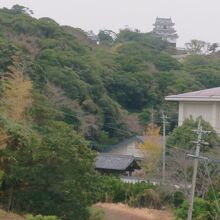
(163, 28)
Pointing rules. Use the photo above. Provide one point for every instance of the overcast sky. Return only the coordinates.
(194, 19)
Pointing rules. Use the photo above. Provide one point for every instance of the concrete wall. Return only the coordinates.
(210, 111)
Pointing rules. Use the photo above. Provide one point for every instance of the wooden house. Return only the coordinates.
(116, 164)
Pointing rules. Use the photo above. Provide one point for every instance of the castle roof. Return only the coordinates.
(164, 21)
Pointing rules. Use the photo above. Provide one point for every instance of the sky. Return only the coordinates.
(194, 19)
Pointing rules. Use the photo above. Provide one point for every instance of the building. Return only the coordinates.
(128, 147)
(116, 164)
(163, 28)
(204, 103)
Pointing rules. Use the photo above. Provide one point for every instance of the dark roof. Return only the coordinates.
(212, 94)
(114, 162)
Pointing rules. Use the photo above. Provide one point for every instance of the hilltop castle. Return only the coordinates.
(163, 28)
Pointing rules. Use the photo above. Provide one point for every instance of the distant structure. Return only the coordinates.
(163, 28)
(204, 103)
(116, 164)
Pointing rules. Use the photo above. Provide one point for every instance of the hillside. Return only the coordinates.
(92, 87)
(62, 96)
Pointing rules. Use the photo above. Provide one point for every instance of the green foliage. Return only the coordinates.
(128, 35)
(209, 77)
(105, 37)
(183, 136)
(96, 214)
(201, 210)
(149, 198)
(34, 165)
(144, 116)
(7, 50)
(47, 167)
(112, 189)
(166, 63)
(18, 9)
(40, 217)
(174, 199)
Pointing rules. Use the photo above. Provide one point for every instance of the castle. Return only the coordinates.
(163, 28)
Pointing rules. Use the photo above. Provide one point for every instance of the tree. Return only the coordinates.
(213, 47)
(197, 47)
(17, 95)
(183, 137)
(50, 170)
(151, 149)
(202, 210)
(18, 9)
(164, 62)
(106, 36)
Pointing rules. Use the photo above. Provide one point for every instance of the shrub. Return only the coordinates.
(175, 199)
(150, 198)
(201, 210)
(183, 136)
(40, 217)
(96, 214)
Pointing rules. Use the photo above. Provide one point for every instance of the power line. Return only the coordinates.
(80, 116)
(211, 184)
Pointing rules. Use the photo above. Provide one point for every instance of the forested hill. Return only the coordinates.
(94, 88)
(61, 92)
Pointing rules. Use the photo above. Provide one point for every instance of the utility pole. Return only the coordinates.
(200, 132)
(164, 117)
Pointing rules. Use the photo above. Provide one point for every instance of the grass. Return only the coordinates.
(96, 213)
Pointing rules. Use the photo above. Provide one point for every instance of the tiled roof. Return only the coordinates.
(113, 162)
(163, 21)
(201, 95)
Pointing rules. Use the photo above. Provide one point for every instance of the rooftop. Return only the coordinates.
(212, 94)
(114, 162)
(164, 21)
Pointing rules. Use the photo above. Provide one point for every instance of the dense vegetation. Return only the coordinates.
(61, 93)
(92, 87)
(183, 137)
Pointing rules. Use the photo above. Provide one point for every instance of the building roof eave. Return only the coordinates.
(195, 99)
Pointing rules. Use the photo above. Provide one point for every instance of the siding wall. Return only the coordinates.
(210, 111)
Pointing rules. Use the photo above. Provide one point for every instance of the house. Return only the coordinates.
(116, 164)
(128, 147)
(204, 103)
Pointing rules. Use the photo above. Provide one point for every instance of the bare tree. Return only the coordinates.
(199, 47)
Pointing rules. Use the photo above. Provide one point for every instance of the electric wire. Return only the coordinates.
(211, 184)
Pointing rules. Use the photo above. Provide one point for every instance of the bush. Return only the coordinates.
(40, 217)
(178, 198)
(201, 210)
(150, 198)
(183, 136)
(96, 214)
(174, 199)
(112, 189)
